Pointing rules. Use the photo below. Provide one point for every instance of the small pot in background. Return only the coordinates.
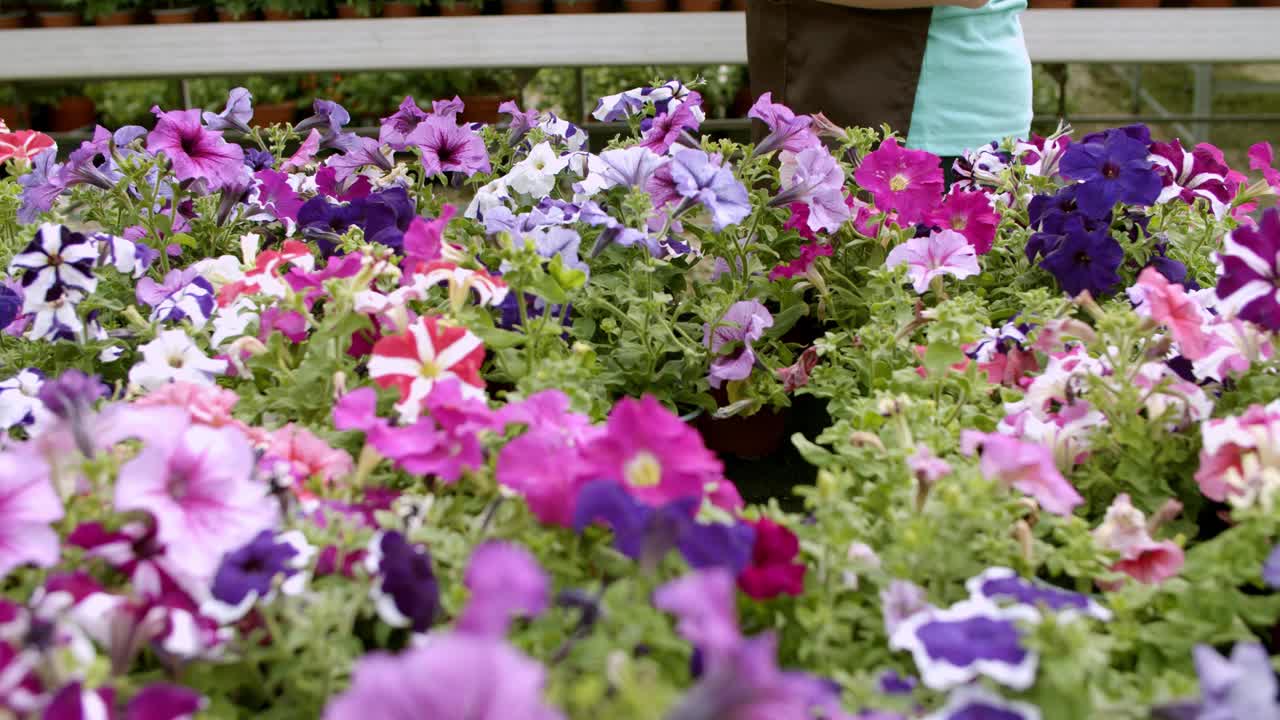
(225, 15)
(400, 10)
(481, 108)
(752, 436)
(13, 19)
(699, 5)
(17, 117)
(458, 9)
(116, 19)
(174, 16)
(644, 6)
(576, 7)
(521, 7)
(267, 114)
(57, 18)
(281, 15)
(72, 113)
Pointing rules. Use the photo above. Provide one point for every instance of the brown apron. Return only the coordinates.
(858, 67)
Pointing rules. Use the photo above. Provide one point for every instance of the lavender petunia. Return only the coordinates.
(1235, 688)
(41, 186)
(522, 121)
(743, 323)
(449, 147)
(701, 178)
(999, 585)
(327, 116)
(629, 167)
(405, 590)
(72, 394)
(505, 581)
(236, 115)
(1271, 568)
(396, 128)
(972, 638)
(359, 153)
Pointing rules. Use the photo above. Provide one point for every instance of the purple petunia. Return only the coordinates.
(327, 116)
(787, 131)
(183, 295)
(666, 129)
(195, 152)
(1002, 585)
(505, 581)
(405, 590)
(743, 323)
(358, 153)
(449, 147)
(1249, 272)
(1112, 168)
(1085, 259)
(972, 638)
(396, 128)
(1241, 686)
(235, 116)
(248, 574)
(700, 178)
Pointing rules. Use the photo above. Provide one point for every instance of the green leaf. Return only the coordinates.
(940, 356)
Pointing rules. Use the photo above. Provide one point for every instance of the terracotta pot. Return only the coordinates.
(1268, 3)
(281, 15)
(347, 12)
(72, 113)
(699, 5)
(174, 16)
(266, 114)
(115, 19)
(235, 15)
(459, 9)
(521, 7)
(15, 116)
(645, 6)
(57, 18)
(576, 7)
(1212, 3)
(753, 436)
(400, 9)
(1052, 4)
(13, 20)
(481, 108)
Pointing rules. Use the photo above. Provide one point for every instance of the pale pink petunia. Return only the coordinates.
(206, 404)
(1124, 531)
(1240, 456)
(926, 466)
(1026, 466)
(305, 154)
(942, 253)
(307, 455)
(1168, 304)
(28, 504)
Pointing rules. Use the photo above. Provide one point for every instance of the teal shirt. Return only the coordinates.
(975, 83)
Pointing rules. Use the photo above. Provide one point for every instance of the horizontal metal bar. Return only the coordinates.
(1164, 35)
(1176, 117)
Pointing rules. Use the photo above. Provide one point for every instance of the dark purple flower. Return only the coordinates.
(396, 128)
(1138, 131)
(1085, 260)
(249, 574)
(76, 702)
(276, 196)
(385, 216)
(10, 305)
(257, 159)
(449, 147)
(56, 262)
(195, 153)
(1114, 168)
(701, 178)
(405, 590)
(164, 702)
(974, 637)
(1001, 585)
(236, 115)
(73, 393)
(1249, 272)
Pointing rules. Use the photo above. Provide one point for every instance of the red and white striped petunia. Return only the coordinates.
(489, 289)
(265, 277)
(23, 144)
(414, 361)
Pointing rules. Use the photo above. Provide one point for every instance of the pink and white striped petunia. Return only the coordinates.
(23, 145)
(945, 252)
(489, 289)
(414, 361)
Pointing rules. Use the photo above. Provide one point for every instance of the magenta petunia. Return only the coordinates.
(971, 215)
(653, 453)
(908, 181)
(196, 153)
(29, 504)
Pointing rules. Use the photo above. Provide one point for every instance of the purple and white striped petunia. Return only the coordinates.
(248, 574)
(972, 638)
(1003, 585)
(1249, 272)
(19, 399)
(56, 262)
(973, 702)
(1201, 172)
(183, 295)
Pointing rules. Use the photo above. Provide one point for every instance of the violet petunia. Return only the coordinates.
(1085, 259)
(629, 167)
(743, 323)
(235, 116)
(1249, 272)
(522, 121)
(505, 581)
(703, 179)
(787, 131)
(29, 504)
(449, 147)
(1241, 686)
(972, 638)
(195, 153)
(944, 252)
(359, 153)
(328, 117)
(396, 128)
(1113, 168)
(1001, 585)
(813, 179)
(183, 295)
(249, 574)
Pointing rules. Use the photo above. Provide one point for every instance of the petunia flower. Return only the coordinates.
(505, 581)
(1085, 259)
(787, 131)
(1200, 173)
(424, 240)
(1026, 466)
(395, 129)
(461, 281)
(56, 263)
(235, 116)
(743, 323)
(20, 403)
(183, 295)
(774, 569)
(815, 179)
(536, 174)
(1240, 456)
(1262, 157)
(449, 147)
(304, 155)
(974, 702)
(944, 252)
(249, 574)
(908, 181)
(11, 299)
(1113, 168)
(796, 375)
(29, 505)
(1249, 272)
(359, 152)
(328, 117)
(1169, 305)
(1124, 531)
(197, 482)
(306, 455)
(665, 129)
(405, 591)
(970, 639)
(700, 178)
(194, 152)
(1241, 686)
(1003, 586)
(628, 167)
(173, 356)
(24, 145)
(652, 452)
(414, 361)
(926, 466)
(971, 215)
(1271, 568)
(522, 121)
(549, 489)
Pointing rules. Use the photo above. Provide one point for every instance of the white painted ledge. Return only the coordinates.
(1085, 35)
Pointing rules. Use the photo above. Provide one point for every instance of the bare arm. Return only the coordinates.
(905, 4)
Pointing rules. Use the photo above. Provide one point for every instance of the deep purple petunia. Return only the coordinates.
(449, 147)
(1113, 168)
(1000, 585)
(405, 590)
(1085, 260)
(1249, 272)
(249, 574)
(10, 305)
(196, 153)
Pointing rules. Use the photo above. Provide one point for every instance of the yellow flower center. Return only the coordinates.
(643, 470)
(898, 183)
(429, 370)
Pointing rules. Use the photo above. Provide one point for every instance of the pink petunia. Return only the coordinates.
(196, 153)
(926, 466)
(1124, 531)
(413, 361)
(1026, 466)
(305, 153)
(28, 504)
(307, 455)
(908, 181)
(206, 404)
(942, 253)
(1169, 305)
(1240, 455)
(971, 215)
(1262, 157)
